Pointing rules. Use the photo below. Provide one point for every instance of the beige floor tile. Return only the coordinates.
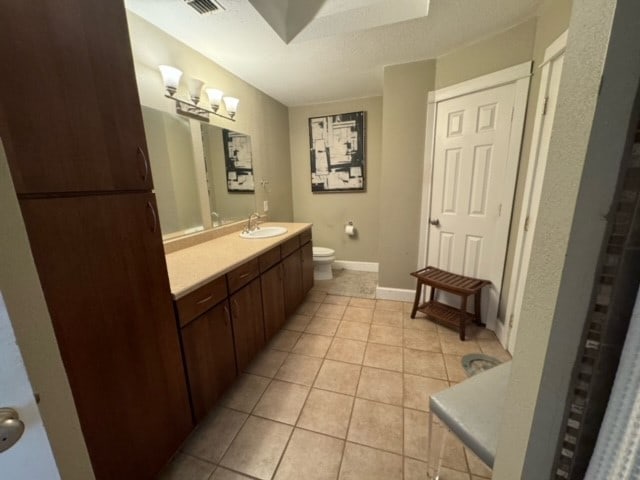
(476, 477)
(386, 335)
(426, 364)
(282, 402)
(310, 456)
(358, 314)
(362, 302)
(224, 474)
(447, 333)
(284, 340)
(314, 296)
(450, 474)
(417, 390)
(387, 317)
(364, 463)
(245, 392)
(327, 412)
(383, 356)
(338, 377)
(331, 311)
(299, 369)
(380, 385)
(455, 372)
(323, 326)
(389, 305)
(257, 448)
(313, 345)
(353, 331)
(422, 340)
(416, 434)
(414, 469)
(297, 323)
(267, 362)
(377, 425)
(476, 466)
(214, 434)
(337, 300)
(459, 347)
(345, 350)
(407, 307)
(454, 454)
(419, 323)
(186, 467)
(494, 349)
(308, 308)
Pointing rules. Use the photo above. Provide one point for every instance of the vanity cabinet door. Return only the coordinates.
(248, 324)
(207, 342)
(292, 273)
(273, 300)
(73, 120)
(102, 269)
(307, 267)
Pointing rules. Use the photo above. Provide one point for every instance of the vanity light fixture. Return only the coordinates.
(190, 108)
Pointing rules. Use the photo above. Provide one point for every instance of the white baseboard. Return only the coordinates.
(360, 266)
(398, 294)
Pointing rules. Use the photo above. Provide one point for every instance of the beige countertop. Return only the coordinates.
(193, 267)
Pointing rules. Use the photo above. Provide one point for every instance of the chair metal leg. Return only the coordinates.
(431, 473)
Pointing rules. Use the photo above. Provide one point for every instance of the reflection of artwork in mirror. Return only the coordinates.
(237, 154)
(337, 145)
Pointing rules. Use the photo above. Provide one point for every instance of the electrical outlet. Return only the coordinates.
(265, 206)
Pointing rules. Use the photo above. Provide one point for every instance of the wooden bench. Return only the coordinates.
(452, 283)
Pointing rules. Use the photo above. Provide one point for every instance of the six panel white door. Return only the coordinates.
(470, 153)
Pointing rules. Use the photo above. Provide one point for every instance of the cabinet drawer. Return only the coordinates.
(305, 237)
(289, 246)
(242, 275)
(201, 300)
(269, 259)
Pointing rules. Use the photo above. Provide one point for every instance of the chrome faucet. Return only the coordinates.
(248, 228)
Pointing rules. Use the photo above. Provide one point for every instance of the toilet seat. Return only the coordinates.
(323, 252)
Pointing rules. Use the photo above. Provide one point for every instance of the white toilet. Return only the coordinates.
(322, 260)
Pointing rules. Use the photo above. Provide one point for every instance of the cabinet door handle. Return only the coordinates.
(227, 315)
(143, 163)
(204, 300)
(234, 305)
(152, 218)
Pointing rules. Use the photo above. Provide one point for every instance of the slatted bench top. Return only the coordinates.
(450, 282)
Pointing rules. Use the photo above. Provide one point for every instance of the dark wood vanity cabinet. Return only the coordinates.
(306, 254)
(209, 357)
(272, 283)
(248, 323)
(292, 273)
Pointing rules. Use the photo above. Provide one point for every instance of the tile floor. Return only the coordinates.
(340, 393)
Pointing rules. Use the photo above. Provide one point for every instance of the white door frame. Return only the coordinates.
(520, 75)
(517, 281)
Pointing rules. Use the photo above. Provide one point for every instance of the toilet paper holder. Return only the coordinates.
(349, 229)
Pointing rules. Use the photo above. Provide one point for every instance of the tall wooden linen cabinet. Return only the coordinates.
(72, 128)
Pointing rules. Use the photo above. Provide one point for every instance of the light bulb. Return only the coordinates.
(195, 87)
(215, 97)
(170, 78)
(231, 104)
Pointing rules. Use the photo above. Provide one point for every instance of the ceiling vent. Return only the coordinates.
(205, 6)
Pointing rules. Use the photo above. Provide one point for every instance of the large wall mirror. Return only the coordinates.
(203, 175)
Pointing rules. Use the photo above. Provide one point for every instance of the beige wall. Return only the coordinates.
(29, 315)
(499, 51)
(330, 211)
(404, 107)
(259, 115)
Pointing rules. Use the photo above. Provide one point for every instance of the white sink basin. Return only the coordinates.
(264, 232)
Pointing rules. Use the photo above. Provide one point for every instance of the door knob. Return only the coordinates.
(11, 428)
(435, 222)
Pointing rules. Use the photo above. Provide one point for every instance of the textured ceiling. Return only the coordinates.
(328, 58)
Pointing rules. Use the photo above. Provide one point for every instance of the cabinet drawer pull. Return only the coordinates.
(152, 219)
(143, 163)
(227, 315)
(204, 300)
(244, 275)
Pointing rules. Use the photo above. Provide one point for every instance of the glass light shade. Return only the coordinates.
(231, 104)
(195, 87)
(170, 78)
(215, 97)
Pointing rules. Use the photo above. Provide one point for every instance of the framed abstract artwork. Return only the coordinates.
(239, 161)
(338, 157)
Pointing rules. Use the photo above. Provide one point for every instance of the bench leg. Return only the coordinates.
(433, 467)
(463, 317)
(478, 308)
(416, 300)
